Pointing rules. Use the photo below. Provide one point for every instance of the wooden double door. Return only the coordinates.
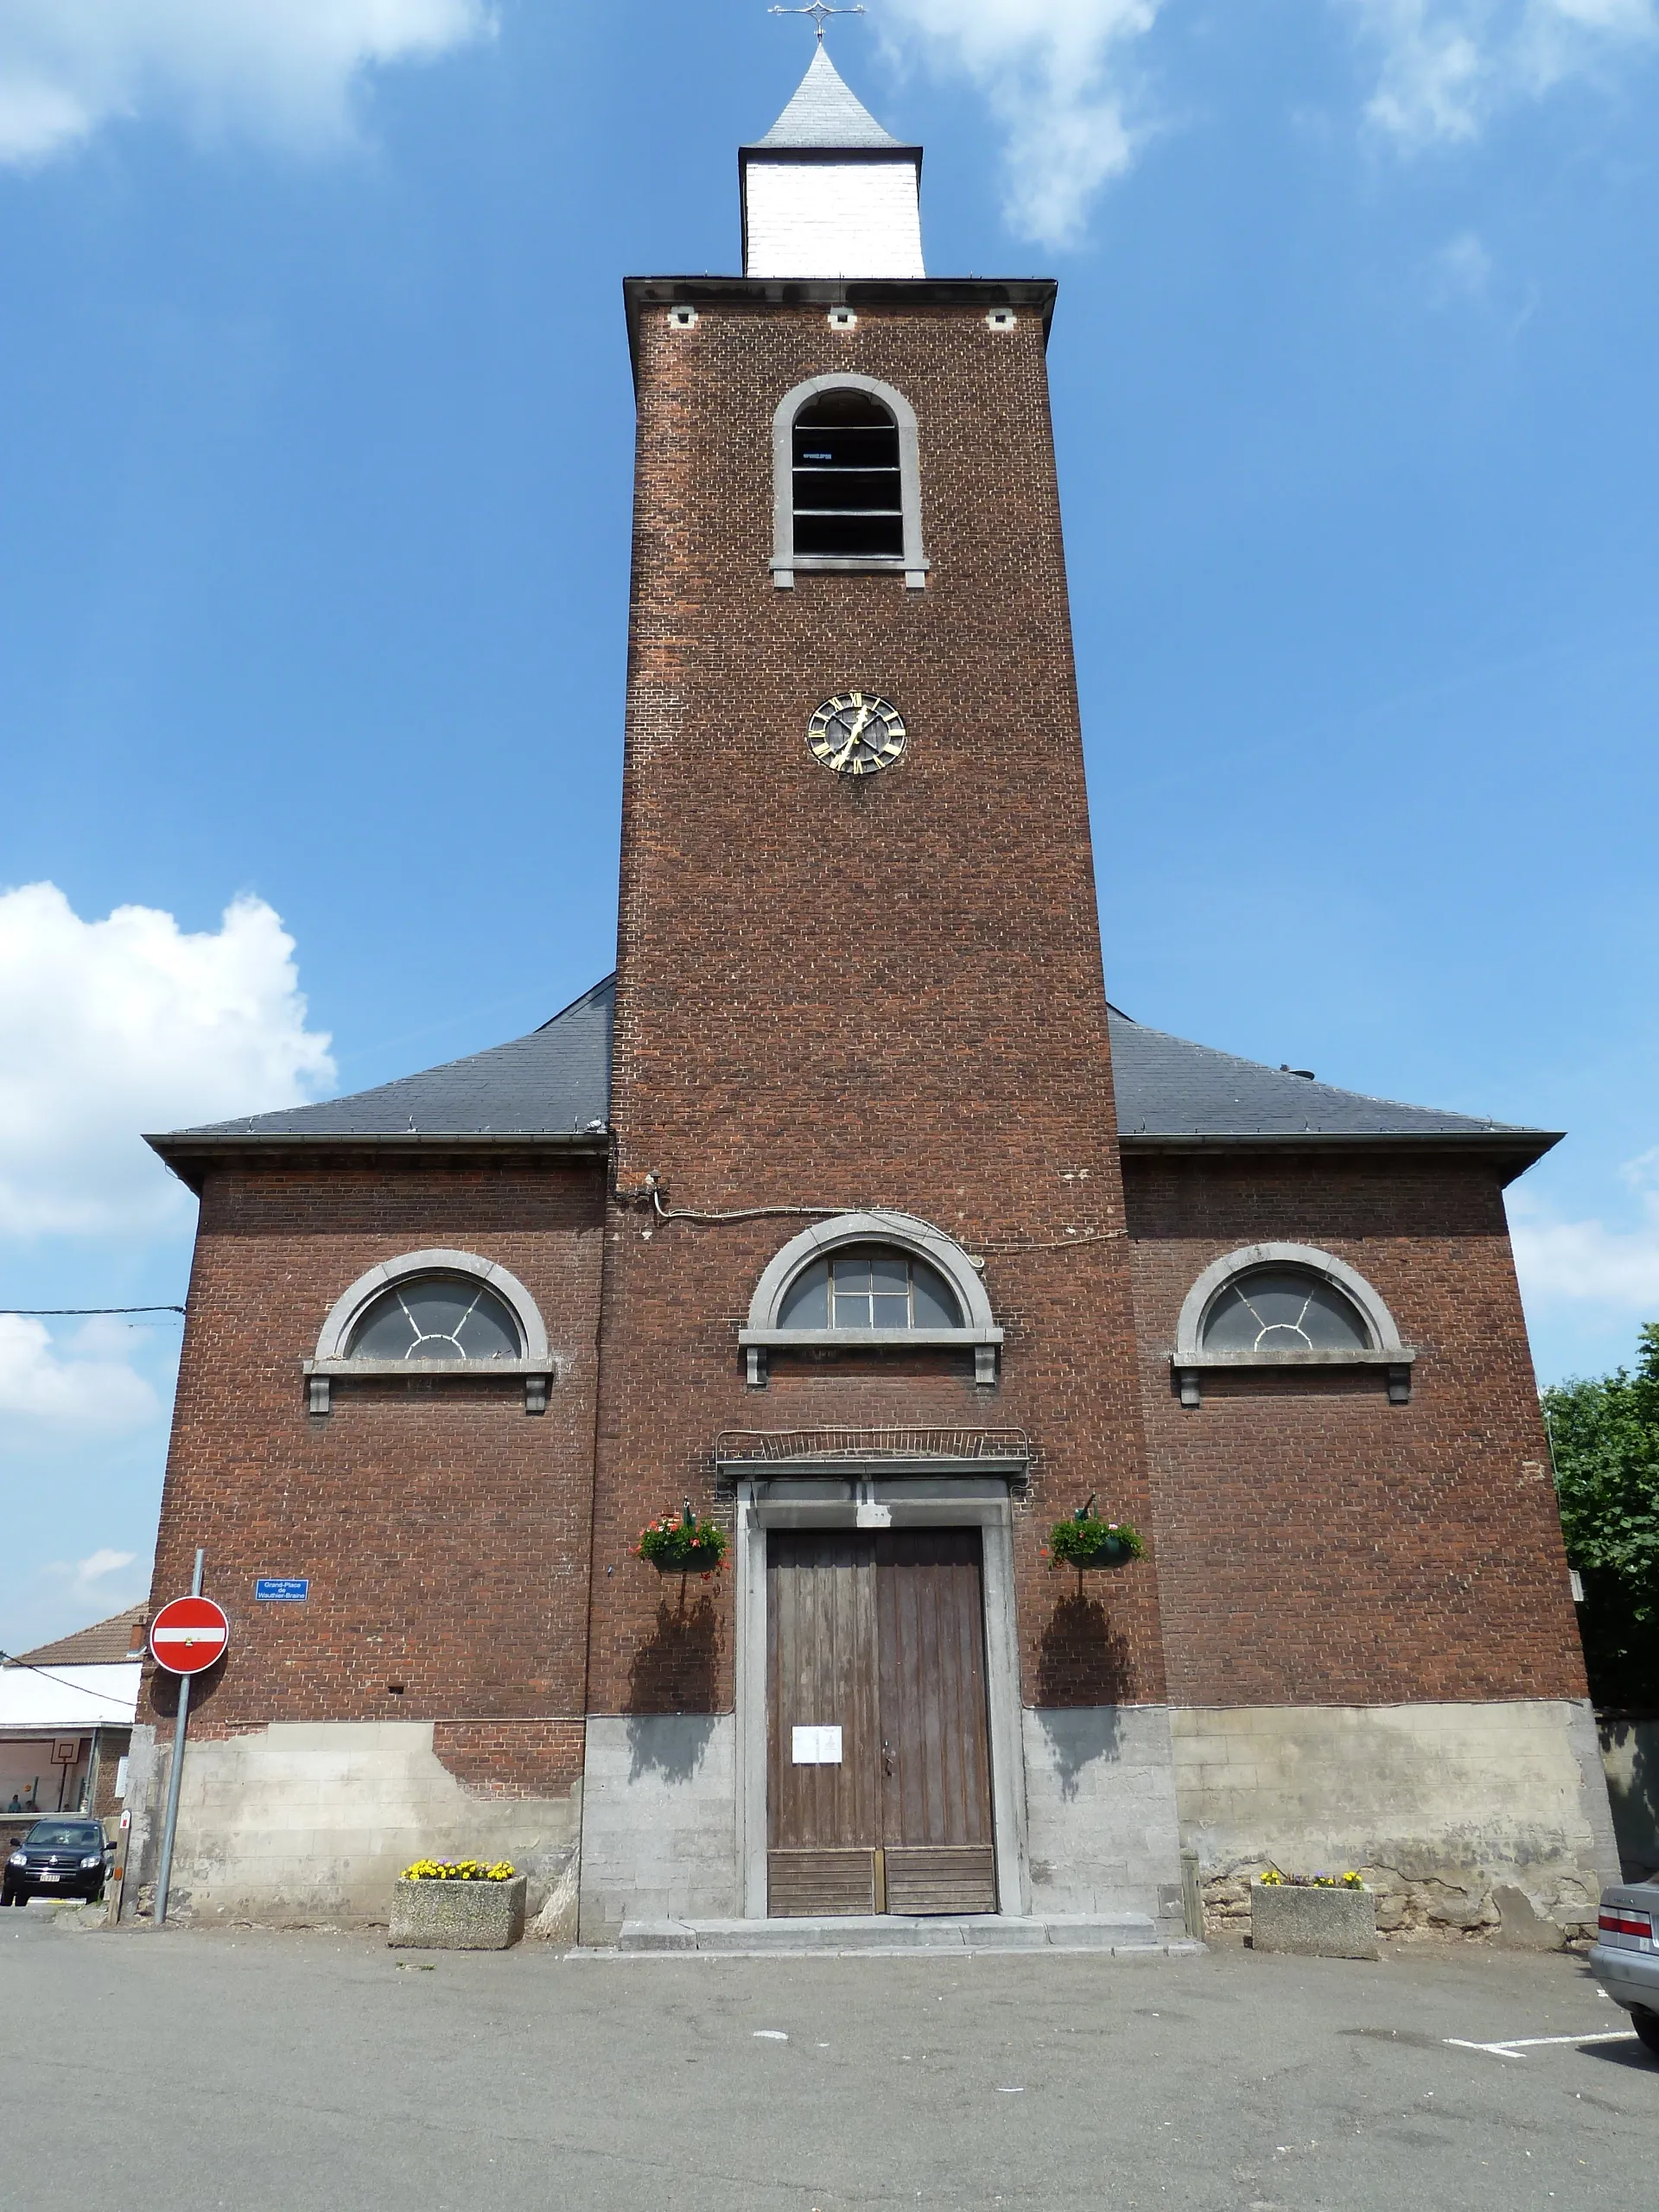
(879, 1771)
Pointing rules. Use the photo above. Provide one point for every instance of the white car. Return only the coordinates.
(1625, 1956)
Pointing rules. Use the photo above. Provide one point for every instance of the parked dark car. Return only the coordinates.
(61, 1857)
(1625, 1959)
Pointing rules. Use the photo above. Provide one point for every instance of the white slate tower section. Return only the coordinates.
(827, 192)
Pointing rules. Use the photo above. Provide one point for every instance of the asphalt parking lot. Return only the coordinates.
(250, 2069)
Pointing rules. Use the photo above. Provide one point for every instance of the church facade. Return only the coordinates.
(850, 1220)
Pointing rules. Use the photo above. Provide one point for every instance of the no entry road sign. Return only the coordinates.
(188, 1635)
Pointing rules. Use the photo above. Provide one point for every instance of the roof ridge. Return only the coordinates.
(586, 998)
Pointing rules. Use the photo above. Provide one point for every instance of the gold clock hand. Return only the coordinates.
(853, 735)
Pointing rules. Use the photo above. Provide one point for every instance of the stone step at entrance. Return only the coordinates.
(1120, 1934)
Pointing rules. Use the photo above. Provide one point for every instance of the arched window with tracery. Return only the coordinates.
(846, 481)
(1286, 1306)
(1282, 1309)
(432, 1313)
(436, 1317)
(870, 1282)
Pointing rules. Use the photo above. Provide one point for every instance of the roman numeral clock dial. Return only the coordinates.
(856, 733)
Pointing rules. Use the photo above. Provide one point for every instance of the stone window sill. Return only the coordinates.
(1189, 1367)
(915, 573)
(538, 1375)
(983, 1343)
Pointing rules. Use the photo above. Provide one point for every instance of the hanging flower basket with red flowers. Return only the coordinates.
(678, 1543)
(1087, 1540)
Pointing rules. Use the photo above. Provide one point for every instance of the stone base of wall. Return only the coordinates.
(1487, 1819)
(302, 1822)
(1630, 1752)
(1100, 1813)
(659, 1821)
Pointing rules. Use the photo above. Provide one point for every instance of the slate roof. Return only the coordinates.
(1167, 1087)
(825, 114)
(556, 1083)
(105, 1644)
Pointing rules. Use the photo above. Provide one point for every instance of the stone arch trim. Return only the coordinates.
(912, 563)
(535, 1365)
(1189, 1358)
(979, 1330)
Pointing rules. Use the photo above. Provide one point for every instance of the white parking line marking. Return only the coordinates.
(1518, 2046)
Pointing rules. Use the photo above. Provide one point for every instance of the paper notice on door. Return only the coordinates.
(871, 1516)
(816, 1747)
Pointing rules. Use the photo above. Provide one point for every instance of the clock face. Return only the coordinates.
(856, 733)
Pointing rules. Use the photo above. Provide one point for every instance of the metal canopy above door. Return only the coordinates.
(878, 1750)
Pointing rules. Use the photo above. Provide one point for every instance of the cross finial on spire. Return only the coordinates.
(818, 9)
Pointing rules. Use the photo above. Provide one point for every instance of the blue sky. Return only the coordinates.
(313, 561)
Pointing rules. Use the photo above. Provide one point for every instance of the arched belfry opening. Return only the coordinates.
(846, 492)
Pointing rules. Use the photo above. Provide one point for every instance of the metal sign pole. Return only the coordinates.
(169, 1826)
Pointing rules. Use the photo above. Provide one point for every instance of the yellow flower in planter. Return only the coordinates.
(458, 1870)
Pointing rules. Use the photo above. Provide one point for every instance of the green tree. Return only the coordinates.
(1604, 1435)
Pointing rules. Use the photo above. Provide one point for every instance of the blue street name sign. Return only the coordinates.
(282, 1586)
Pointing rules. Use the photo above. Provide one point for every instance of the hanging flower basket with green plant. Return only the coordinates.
(678, 1543)
(1087, 1540)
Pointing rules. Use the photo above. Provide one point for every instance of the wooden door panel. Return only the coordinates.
(948, 1880)
(935, 1748)
(801, 1884)
(821, 1633)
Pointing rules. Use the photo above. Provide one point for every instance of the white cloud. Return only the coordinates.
(101, 1563)
(1062, 79)
(113, 1027)
(95, 1586)
(278, 69)
(1445, 66)
(1461, 270)
(1563, 1262)
(91, 1392)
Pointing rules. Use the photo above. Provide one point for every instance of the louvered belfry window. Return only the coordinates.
(847, 500)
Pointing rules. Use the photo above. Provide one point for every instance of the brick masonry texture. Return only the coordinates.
(1318, 1545)
(444, 1530)
(846, 993)
(511, 1758)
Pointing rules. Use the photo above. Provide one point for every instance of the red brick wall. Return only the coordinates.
(113, 1745)
(1318, 1546)
(512, 1758)
(885, 993)
(444, 1530)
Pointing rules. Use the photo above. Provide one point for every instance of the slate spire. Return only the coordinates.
(826, 113)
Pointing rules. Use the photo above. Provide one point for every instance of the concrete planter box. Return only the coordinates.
(1314, 1923)
(458, 1915)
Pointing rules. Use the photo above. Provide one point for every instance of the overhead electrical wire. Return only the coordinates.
(49, 1313)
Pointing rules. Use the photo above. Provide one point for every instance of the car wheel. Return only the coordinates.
(1647, 2026)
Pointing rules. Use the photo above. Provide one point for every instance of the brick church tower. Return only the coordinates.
(860, 1012)
(849, 1217)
